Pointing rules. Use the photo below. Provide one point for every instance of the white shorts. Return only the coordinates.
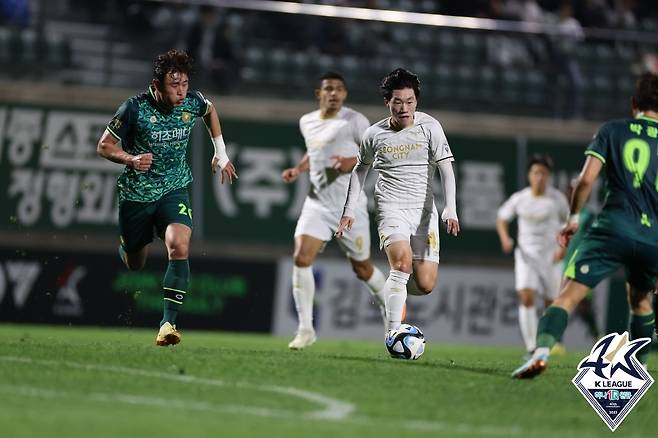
(543, 276)
(319, 222)
(418, 226)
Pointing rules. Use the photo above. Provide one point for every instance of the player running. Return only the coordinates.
(405, 148)
(332, 135)
(541, 210)
(625, 233)
(149, 134)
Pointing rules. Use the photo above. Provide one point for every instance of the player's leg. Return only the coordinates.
(598, 256)
(355, 244)
(425, 250)
(395, 288)
(526, 281)
(528, 318)
(303, 288)
(642, 318)
(136, 223)
(641, 276)
(173, 219)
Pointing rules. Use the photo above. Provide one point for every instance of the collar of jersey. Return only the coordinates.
(643, 117)
(159, 106)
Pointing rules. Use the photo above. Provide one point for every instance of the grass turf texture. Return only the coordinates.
(81, 382)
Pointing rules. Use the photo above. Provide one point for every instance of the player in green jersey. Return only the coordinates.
(149, 134)
(625, 233)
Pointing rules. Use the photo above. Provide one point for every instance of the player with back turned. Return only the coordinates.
(149, 134)
(625, 233)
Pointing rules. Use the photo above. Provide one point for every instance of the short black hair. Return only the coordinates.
(645, 97)
(541, 159)
(331, 75)
(174, 61)
(399, 79)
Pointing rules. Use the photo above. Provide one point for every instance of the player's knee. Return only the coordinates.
(527, 300)
(178, 251)
(425, 285)
(640, 302)
(402, 265)
(302, 260)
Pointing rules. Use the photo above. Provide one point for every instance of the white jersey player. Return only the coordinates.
(332, 135)
(541, 211)
(405, 148)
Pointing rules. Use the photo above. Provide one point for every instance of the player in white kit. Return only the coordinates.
(332, 135)
(405, 149)
(541, 211)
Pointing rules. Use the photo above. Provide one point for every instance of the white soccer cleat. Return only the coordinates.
(168, 335)
(303, 339)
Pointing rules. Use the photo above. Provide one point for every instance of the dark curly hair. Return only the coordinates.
(645, 97)
(397, 80)
(174, 61)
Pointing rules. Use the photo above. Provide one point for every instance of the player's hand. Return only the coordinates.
(227, 173)
(290, 175)
(345, 224)
(507, 245)
(452, 226)
(343, 164)
(141, 162)
(566, 234)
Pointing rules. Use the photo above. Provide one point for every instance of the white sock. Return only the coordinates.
(376, 284)
(528, 324)
(395, 291)
(303, 291)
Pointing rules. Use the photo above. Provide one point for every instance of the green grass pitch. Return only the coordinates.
(96, 382)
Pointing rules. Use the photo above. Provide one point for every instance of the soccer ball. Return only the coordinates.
(407, 342)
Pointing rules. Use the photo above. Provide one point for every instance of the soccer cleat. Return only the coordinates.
(533, 367)
(303, 339)
(168, 335)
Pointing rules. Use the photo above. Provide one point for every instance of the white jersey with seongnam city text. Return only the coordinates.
(611, 378)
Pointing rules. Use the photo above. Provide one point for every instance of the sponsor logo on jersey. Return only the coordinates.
(611, 378)
(186, 117)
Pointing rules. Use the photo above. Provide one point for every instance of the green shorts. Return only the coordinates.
(139, 222)
(601, 253)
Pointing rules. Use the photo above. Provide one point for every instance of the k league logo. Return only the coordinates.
(611, 379)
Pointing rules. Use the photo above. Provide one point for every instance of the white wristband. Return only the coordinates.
(573, 219)
(220, 151)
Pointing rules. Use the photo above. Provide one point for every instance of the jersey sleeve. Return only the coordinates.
(438, 144)
(359, 126)
(600, 145)
(202, 104)
(366, 154)
(507, 211)
(123, 120)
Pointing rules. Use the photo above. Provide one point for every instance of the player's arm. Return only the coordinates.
(108, 147)
(506, 241)
(505, 214)
(357, 180)
(291, 174)
(449, 214)
(344, 164)
(220, 158)
(581, 192)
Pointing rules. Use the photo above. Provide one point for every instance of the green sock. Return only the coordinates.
(174, 289)
(551, 326)
(642, 327)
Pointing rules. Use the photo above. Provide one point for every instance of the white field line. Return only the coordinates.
(332, 409)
